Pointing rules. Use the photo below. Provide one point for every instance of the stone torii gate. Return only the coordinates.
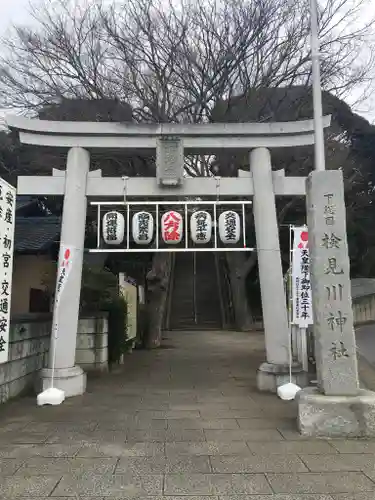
(171, 141)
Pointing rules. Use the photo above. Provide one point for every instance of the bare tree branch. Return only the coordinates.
(175, 61)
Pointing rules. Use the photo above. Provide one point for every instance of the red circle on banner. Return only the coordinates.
(67, 254)
(304, 236)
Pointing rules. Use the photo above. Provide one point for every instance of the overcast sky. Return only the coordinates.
(12, 11)
(17, 11)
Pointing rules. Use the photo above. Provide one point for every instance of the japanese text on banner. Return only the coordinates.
(65, 265)
(301, 286)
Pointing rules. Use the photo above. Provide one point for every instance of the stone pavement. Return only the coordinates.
(184, 421)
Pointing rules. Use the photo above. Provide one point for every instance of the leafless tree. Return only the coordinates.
(174, 61)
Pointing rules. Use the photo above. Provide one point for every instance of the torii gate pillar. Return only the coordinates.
(272, 373)
(69, 377)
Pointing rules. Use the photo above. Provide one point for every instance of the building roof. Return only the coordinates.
(24, 201)
(36, 234)
(362, 287)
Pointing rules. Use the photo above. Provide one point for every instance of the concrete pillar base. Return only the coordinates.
(336, 416)
(270, 376)
(70, 380)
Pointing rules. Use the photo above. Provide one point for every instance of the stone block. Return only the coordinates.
(20, 331)
(199, 423)
(216, 484)
(92, 340)
(329, 482)
(92, 357)
(318, 447)
(28, 347)
(85, 341)
(243, 435)
(271, 376)
(25, 451)
(85, 356)
(35, 466)
(120, 449)
(143, 466)
(107, 485)
(320, 415)
(257, 463)
(35, 486)
(21, 385)
(208, 448)
(341, 462)
(364, 495)
(160, 436)
(18, 376)
(354, 446)
(94, 367)
(93, 325)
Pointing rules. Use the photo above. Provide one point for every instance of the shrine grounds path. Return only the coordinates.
(181, 423)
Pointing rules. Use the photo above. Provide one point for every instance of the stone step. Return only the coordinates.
(206, 301)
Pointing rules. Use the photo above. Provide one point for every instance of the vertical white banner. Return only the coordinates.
(301, 285)
(65, 265)
(7, 222)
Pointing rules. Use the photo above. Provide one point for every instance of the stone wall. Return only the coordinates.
(92, 343)
(364, 309)
(29, 349)
(28, 353)
(363, 300)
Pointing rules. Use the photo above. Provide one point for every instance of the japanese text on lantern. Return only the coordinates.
(331, 242)
(111, 226)
(230, 226)
(7, 214)
(172, 226)
(144, 226)
(202, 226)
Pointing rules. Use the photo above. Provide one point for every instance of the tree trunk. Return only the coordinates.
(239, 267)
(157, 291)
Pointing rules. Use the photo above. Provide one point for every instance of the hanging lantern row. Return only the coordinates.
(172, 227)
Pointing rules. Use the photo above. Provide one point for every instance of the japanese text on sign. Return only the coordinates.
(7, 215)
(329, 210)
(338, 350)
(336, 318)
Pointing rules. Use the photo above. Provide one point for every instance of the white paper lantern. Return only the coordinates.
(229, 227)
(172, 226)
(113, 228)
(142, 228)
(201, 227)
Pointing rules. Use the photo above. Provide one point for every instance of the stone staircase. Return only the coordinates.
(194, 295)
